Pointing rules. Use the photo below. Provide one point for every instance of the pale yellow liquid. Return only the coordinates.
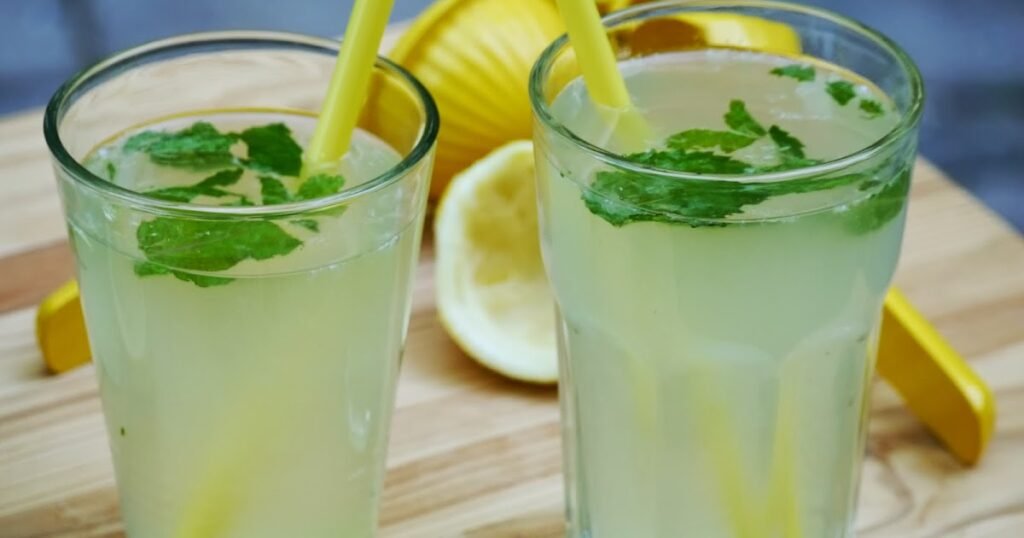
(714, 379)
(259, 408)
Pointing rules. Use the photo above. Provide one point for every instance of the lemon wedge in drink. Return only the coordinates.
(492, 293)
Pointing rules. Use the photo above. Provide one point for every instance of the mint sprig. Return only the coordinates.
(727, 141)
(269, 148)
(622, 197)
(178, 246)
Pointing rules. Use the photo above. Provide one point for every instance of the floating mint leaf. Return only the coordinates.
(841, 91)
(112, 170)
(872, 108)
(144, 269)
(207, 187)
(876, 210)
(320, 185)
(242, 201)
(309, 224)
(621, 197)
(624, 197)
(692, 162)
(739, 120)
(195, 245)
(150, 269)
(272, 149)
(727, 141)
(790, 148)
(203, 281)
(273, 191)
(197, 147)
(803, 73)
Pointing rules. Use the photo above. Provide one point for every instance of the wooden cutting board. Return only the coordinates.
(473, 454)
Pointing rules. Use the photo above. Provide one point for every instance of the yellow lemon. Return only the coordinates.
(492, 293)
(936, 383)
(475, 58)
(60, 329)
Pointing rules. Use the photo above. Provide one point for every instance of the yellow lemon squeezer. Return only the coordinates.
(475, 56)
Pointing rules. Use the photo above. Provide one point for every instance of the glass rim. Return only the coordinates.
(82, 176)
(908, 121)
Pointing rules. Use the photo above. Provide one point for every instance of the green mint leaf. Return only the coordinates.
(320, 185)
(727, 141)
(693, 162)
(739, 120)
(197, 147)
(803, 73)
(621, 197)
(841, 91)
(145, 140)
(224, 178)
(207, 187)
(112, 170)
(193, 245)
(876, 210)
(177, 194)
(789, 163)
(203, 281)
(624, 197)
(150, 269)
(273, 191)
(272, 149)
(872, 108)
(790, 148)
(309, 224)
(144, 269)
(242, 201)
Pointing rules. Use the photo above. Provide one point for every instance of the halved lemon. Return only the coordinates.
(492, 294)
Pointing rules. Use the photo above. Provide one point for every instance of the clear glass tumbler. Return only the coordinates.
(718, 316)
(250, 397)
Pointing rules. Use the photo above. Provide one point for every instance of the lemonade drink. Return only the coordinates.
(247, 318)
(225, 416)
(717, 335)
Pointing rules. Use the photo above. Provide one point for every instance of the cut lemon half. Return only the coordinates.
(475, 58)
(492, 294)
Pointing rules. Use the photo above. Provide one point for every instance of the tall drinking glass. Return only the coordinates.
(246, 328)
(719, 274)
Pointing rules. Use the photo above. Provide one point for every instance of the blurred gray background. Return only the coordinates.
(969, 51)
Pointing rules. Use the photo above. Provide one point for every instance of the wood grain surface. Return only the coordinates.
(476, 455)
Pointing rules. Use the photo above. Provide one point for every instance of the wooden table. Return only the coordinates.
(473, 454)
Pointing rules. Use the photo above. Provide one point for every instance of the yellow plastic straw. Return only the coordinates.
(594, 53)
(349, 83)
(600, 72)
(606, 86)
